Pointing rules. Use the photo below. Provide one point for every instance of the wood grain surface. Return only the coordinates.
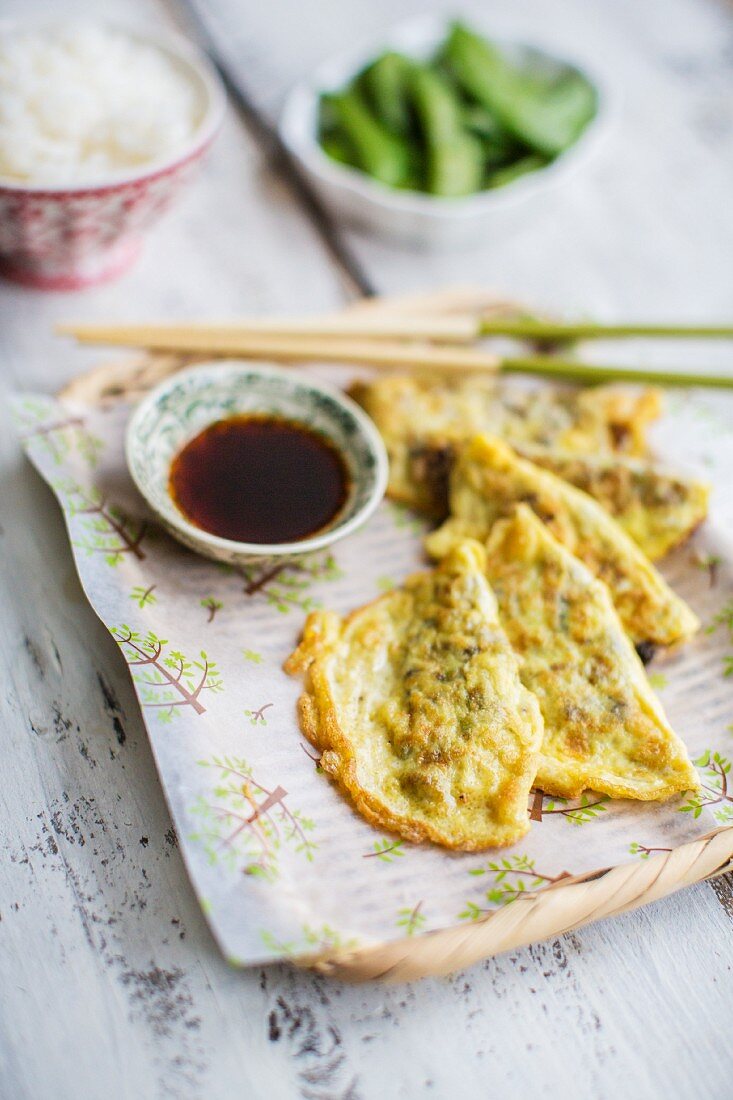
(111, 985)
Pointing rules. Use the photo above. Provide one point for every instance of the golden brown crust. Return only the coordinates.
(489, 479)
(658, 509)
(442, 744)
(417, 417)
(605, 730)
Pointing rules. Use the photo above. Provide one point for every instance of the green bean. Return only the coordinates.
(455, 162)
(514, 171)
(385, 86)
(547, 114)
(500, 148)
(336, 147)
(377, 151)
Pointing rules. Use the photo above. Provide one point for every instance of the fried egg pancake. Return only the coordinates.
(420, 419)
(657, 509)
(605, 729)
(489, 478)
(416, 704)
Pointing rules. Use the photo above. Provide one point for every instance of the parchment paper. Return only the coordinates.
(281, 864)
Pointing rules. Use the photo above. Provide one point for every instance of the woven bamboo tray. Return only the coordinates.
(566, 905)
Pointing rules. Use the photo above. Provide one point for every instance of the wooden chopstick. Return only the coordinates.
(361, 325)
(381, 354)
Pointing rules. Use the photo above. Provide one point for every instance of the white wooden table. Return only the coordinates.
(110, 983)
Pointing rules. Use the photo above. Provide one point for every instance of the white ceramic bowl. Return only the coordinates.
(70, 236)
(178, 409)
(409, 216)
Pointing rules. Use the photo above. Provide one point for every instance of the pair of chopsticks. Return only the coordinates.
(387, 340)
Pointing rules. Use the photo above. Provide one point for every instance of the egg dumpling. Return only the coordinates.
(417, 707)
(488, 479)
(420, 419)
(656, 508)
(605, 729)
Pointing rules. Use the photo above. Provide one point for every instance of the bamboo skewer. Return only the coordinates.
(569, 370)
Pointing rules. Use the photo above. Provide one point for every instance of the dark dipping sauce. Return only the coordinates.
(259, 479)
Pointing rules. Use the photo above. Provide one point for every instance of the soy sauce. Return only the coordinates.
(259, 479)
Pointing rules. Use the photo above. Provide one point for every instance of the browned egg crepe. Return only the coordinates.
(658, 509)
(605, 729)
(421, 419)
(489, 479)
(416, 705)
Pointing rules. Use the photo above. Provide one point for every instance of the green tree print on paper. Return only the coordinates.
(710, 564)
(313, 941)
(253, 656)
(405, 519)
(511, 877)
(103, 528)
(212, 605)
(642, 851)
(724, 618)
(144, 597)
(714, 790)
(56, 432)
(326, 938)
(386, 850)
(257, 717)
(166, 679)
(577, 812)
(411, 920)
(244, 825)
(285, 584)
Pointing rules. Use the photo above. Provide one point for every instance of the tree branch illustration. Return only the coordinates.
(714, 791)
(257, 717)
(584, 811)
(643, 851)
(411, 919)
(262, 821)
(54, 426)
(512, 877)
(108, 530)
(59, 435)
(285, 584)
(188, 685)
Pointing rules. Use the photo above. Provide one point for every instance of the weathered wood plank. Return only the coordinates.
(111, 983)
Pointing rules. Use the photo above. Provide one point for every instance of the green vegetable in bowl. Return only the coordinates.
(519, 168)
(455, 159)
(466, 120)
(547, 112)
(385, 84)
(374, 148)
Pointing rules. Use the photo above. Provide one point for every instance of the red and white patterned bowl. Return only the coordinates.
(63, 238)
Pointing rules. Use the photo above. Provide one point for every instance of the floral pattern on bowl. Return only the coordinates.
(184, 405)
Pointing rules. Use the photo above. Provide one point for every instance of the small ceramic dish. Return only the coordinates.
(414, 218)
(183, 406)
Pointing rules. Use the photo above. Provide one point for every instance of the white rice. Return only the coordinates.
(81, 103)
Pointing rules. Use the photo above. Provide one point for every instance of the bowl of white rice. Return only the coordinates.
(99, 128)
